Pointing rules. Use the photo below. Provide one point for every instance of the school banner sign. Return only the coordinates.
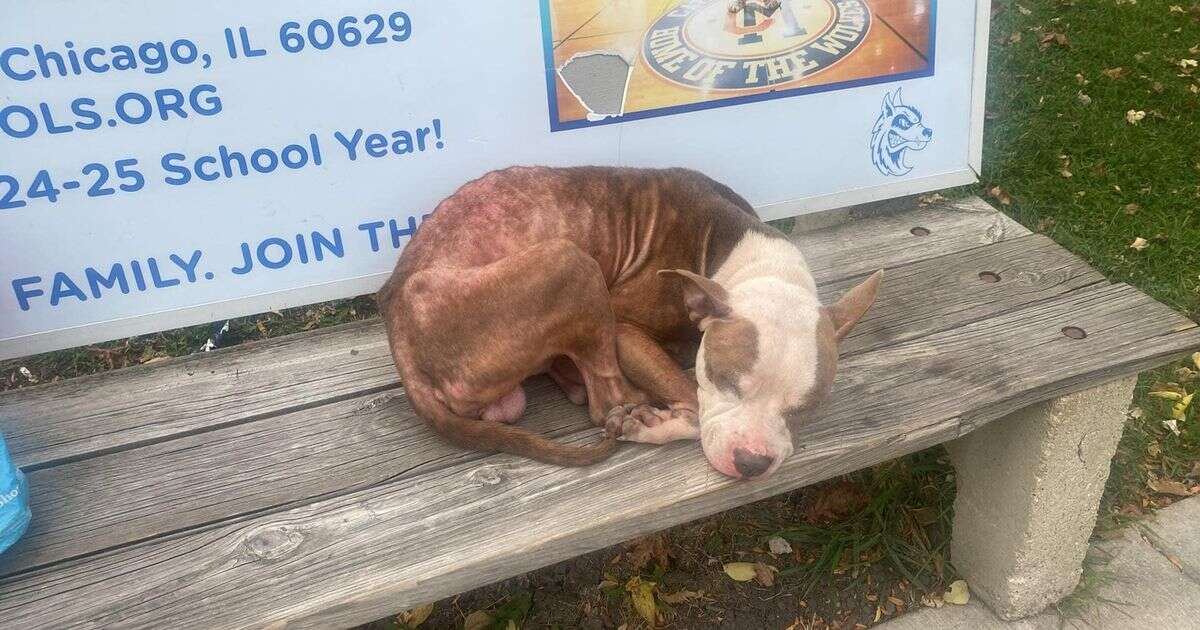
(165, 164)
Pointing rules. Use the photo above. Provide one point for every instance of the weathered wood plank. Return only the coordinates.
(114, 499)
(110, 500)
(362, 555)
(864, 245)
(98, 413)
(934, 294)
(116, 410)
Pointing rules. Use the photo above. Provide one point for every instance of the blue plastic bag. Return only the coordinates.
(14, 500)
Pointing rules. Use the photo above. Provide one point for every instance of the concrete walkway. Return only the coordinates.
(1152, 580)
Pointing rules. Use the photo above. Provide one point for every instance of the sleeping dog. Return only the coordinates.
(607, 279)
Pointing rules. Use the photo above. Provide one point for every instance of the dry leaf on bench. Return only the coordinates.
(740, 571)
(642, 595)
(958, 594)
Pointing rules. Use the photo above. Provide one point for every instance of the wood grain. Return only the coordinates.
(121, 409)
(364, 554)
(123, 497)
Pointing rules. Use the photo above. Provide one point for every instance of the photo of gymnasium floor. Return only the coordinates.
(898, 41)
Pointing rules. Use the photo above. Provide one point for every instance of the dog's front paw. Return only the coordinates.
(627, 422)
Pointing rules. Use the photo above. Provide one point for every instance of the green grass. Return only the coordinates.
(1039, 125)
(904, 524)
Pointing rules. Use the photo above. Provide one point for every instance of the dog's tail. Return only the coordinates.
(483, 435)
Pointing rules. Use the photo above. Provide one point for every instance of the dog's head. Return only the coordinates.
(899, 129)
(767, 359)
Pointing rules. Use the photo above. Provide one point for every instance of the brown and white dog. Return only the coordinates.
(607, 279)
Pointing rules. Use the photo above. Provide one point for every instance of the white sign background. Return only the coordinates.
(477, 68)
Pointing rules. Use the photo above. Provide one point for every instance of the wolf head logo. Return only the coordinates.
(900, 128)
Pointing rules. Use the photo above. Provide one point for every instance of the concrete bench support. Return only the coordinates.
(1029, 485)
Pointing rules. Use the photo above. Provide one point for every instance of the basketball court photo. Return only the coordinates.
(613, 60)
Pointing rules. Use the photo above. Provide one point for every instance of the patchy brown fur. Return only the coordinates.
(474, 306)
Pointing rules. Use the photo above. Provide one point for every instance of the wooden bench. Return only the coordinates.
(287, 482)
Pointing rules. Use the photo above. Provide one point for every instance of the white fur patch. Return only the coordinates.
(769, 283)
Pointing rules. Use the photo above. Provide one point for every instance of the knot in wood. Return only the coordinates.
(376, 401)
(487, 476)
(273, 543)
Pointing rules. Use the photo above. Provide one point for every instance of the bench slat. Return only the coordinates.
(365, 554)
(115, 499)
(115, 410)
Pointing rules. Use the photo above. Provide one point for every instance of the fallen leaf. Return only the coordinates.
(1132, 208)
(1015, 37)
(1180, 407)
(1084, 99)
(1023, 10)
(958, 594)
(680, 597)
(416, 616)
(1000, 195)
(1067, 174)
(647, 549)
(1196, 360)
(1169, 486)
(764, 574)
(1139, 244)
(1052, 38)
(740, 571)
(1188, 63)
(779, 546)
(1166, 395)
(28, 375)
(1135, 116)
(1136, 413)
(478, 620)
(642, 595)
(1171, 425)
(834, 501)
(1114, 73)
(932, 601)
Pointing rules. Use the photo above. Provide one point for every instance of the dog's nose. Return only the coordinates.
(750, 464)
(928, 133)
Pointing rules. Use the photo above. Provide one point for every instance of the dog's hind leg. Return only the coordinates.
(568, 378)
(476, 333)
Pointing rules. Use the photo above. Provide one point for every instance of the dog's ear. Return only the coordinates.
(704, 298)
(847, 311)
